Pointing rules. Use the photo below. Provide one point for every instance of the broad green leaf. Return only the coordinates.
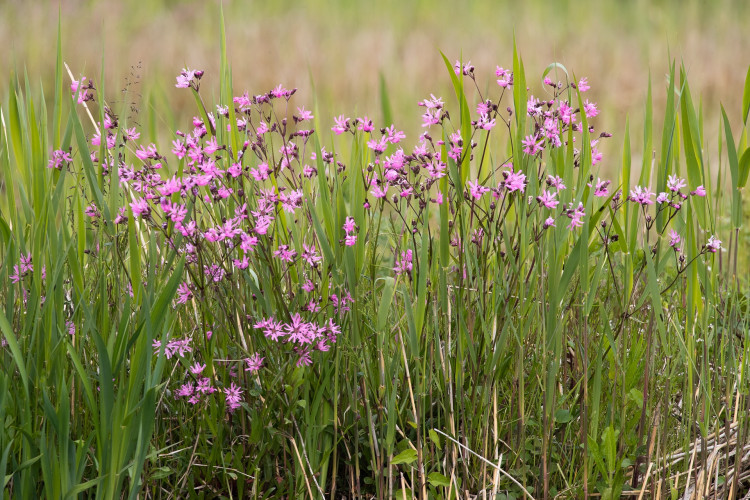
(405, 457)
(437, 479)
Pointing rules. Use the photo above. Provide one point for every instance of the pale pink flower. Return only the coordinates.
(547, 199)
(674, 183)
(674, 238)
(713, 245)
(254, 363)
(341, 124)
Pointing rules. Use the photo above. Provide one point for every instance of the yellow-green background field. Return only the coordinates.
(343, 46)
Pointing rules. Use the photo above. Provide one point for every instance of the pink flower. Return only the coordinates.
(379, 146)
(185, 78)
(365, 124)
(254, 363)
(485, 122)
(476, 190)
(431, 117)
(310, 255)
(350, 240)
(583, 85)
(261, 173)
(304, 356)
(531, 145)
(183, 293)
(549, 222)
(280, 91)
(379, 191)
(576, 216)
(432, 103)
(341, 124)
(662, 198)
(567, 114)
(185, 390)
(602, 188)
(556, 182)
(59, 157)
(285, 254)
(505, 77)
(514, 181)
(699, 191)
(130, 134)
(178, 149)
(590, 109)
(713, 245)
(349, 225)
(121, 216)
(304, 114)
(674, 238)
(641, 195)
(547, 199)
(204, 386)
(233, 397)
(92, 211)
(145, 153)
(140, 207)
(197, 368)
(262, 128)
(405, 264)
(394, 136)
(533, 106)
(82, 95)
(674, 183)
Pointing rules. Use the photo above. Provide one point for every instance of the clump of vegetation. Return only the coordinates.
(263, 310)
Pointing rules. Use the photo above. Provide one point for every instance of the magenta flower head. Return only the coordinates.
(576, 216)
(185, 78)
(590, 109)
(341, 124)
(674, 238)
(59, 159)
(254, 363)
(547, 199)
(514, 181)
(405, 264)
(699, 191)
(602, 188)
(233, 396)
(349, 225)
(140, 207)
(531, 145)
(641, 196)
(83, 94)
(504, 77)
(713, 245)
(583, 85)
(476, 190)
(674, 183)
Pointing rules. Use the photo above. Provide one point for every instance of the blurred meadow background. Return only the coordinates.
(343, 48)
